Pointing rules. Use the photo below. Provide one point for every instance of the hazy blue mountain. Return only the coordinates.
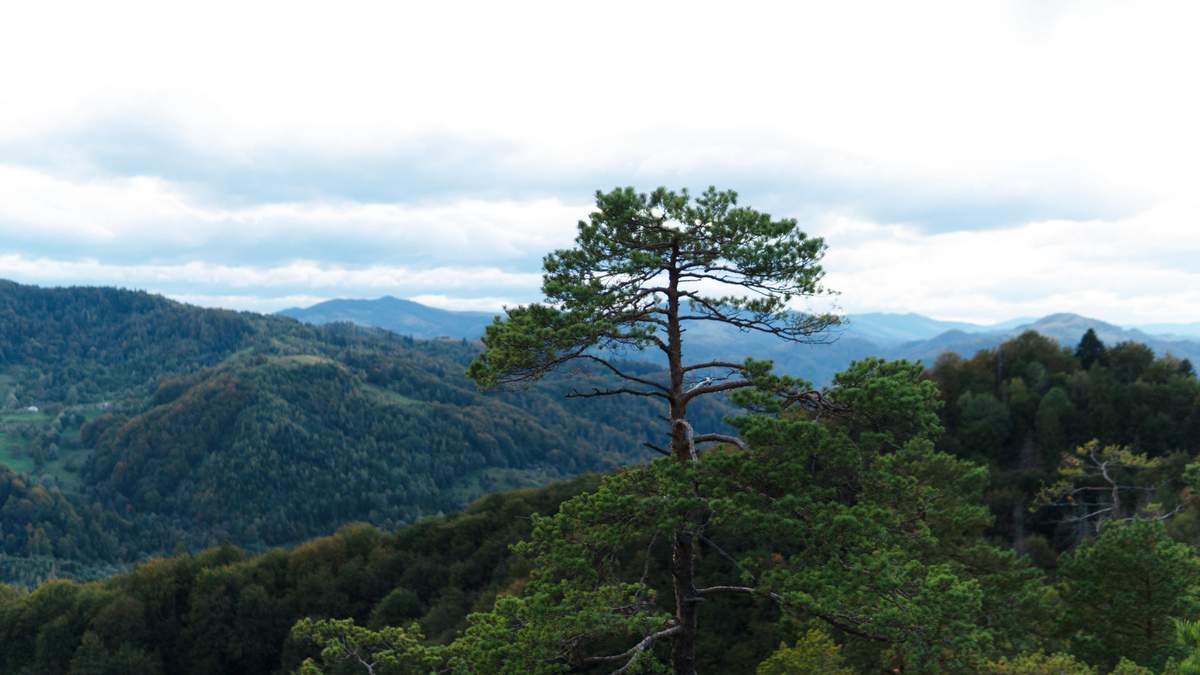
(818, 362)
(1009, 324)
(886, 328)
(1066, 328)
(1177, 331)
(891, 335)
(403, 317)
(407, 317)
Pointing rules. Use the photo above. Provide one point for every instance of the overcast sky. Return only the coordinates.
(966, 160)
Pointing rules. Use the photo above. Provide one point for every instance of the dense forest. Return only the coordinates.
(1024, 408)
(1073, 602)
(222, 611)
(163, 428)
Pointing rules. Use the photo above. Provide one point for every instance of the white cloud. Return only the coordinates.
(249, 303)
(1026, 113)
(993, 96)
(131, 216)
(272, 287)
(1134, 270)
(483, 304)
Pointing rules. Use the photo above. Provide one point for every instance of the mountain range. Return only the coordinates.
(131, 424)
(889, 335)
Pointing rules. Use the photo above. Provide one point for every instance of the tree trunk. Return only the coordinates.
(683, 648)
(683, 555)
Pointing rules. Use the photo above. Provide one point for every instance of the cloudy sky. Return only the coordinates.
(967, 160)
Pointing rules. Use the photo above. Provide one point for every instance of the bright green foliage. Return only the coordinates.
(1127, 667)
(840, 520)
(1187, 641)
(1124, 589)
(347, 648)
(1099, 483)
(814, 653)
(1039, 663)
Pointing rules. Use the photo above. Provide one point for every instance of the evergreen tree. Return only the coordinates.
(851, 521)
(1090, 350)
(1123, 591)
(643, 268)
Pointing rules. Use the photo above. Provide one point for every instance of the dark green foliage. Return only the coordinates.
(104, 343)
(37, 523)
(1023, 406)
(238, 455)
(1090, 350)
(1124, 589)
(843, 522)
(189, 427)
(644, 268)
(637, 256)
(222, 611)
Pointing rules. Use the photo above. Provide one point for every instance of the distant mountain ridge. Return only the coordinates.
(1174, 330)
(1066, 328)
(404, 317)
(408, 317)
(889, 335)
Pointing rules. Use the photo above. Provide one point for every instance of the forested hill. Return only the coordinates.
(162, 426)
(88, 344)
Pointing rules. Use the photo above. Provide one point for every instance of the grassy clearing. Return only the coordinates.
(10, 458)
(15, 430)
(13, 424)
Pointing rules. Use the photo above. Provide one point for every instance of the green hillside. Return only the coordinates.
(164, 427)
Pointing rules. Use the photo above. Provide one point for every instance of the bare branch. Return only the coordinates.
(827, 618)
(621, 374)
(721, 551)
(801, 329)
(616, 392)
(814, 401)
(635, 651)
(720, 438)
(657, 449)
(733, 589)
(715, 364)
(715, 387)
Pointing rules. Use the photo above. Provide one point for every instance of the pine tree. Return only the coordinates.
(1090, 350)
(643, 268)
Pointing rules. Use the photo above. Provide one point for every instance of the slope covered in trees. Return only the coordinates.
(1023, 407)
(884, 563)
(223, 611)
(164, 427)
